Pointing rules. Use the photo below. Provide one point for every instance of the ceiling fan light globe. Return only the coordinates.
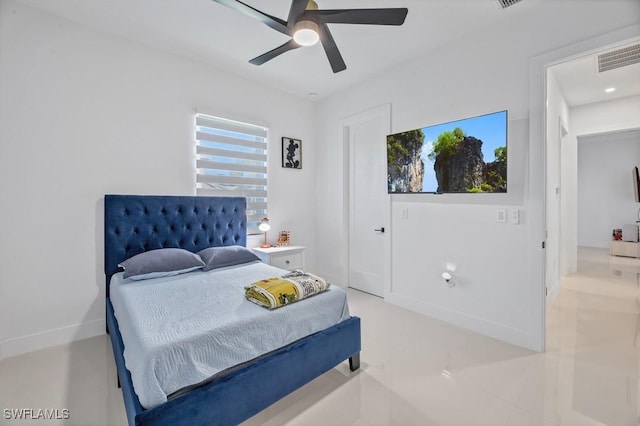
(306, 33)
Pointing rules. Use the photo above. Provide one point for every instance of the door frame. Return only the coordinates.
(552, 282)
(384, 113)
(538, 175)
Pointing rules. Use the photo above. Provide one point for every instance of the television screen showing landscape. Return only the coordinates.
(464, 156)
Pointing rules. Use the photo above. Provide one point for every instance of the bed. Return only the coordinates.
(136, 224)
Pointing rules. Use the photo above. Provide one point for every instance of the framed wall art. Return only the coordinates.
(291, 153)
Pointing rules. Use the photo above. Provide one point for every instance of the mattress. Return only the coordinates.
(182, 330)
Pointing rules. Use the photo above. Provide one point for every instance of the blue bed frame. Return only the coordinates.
(137, 223)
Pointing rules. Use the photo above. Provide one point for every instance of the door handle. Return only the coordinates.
(380, 230)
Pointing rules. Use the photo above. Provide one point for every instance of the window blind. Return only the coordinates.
(231, 160)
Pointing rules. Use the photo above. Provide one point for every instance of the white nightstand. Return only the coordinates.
(286, 257)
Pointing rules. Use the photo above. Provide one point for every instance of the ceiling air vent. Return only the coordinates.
(506, 3)
(619, 58)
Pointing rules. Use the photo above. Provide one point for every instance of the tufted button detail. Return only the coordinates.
(156, 222)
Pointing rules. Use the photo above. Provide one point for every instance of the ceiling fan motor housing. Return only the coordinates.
(307, 24)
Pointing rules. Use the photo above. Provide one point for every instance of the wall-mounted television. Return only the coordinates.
(462, 156)
(636, 184)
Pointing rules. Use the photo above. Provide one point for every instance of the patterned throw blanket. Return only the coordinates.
(276, 292)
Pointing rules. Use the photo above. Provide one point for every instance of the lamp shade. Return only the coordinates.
(264, 225)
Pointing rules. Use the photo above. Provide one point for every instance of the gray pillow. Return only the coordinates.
(160, 263)
(220, 257)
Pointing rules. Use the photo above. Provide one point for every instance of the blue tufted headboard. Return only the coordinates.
(137, 223)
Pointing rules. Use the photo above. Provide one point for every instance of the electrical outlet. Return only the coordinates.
(405, 213)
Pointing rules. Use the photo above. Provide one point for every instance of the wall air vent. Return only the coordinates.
(506, 3)
(619, 58)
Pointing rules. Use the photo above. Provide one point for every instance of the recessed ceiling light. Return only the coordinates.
(610, 89)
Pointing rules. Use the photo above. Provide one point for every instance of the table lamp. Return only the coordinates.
(264, 227)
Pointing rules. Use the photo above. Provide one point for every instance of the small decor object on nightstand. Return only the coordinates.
(617, 234)
(291, 153)
(284, 239)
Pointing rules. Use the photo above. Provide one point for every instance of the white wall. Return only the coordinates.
(605, 185)
(569, 200)
(604, 117)
(83, 113)
(481, 73)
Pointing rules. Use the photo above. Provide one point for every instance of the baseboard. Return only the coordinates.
(479, 325)
(45, 339)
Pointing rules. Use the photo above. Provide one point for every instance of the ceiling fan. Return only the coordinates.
(307, 24)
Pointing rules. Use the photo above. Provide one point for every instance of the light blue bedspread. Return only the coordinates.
(181, 330)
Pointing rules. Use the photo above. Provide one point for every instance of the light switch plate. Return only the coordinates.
(501, 215)
(515, 216)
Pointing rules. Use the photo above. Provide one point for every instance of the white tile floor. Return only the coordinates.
(415, 370)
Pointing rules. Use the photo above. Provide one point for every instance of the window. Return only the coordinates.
(231, 160)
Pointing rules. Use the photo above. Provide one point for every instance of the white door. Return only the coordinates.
(368, 200)
(552, 204)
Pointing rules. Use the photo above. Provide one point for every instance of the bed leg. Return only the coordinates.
(354, 362)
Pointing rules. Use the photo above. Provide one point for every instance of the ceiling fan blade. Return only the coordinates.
(297, 9)
(265, 57)
(391, 16)
(270, 21)
(331, 49)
